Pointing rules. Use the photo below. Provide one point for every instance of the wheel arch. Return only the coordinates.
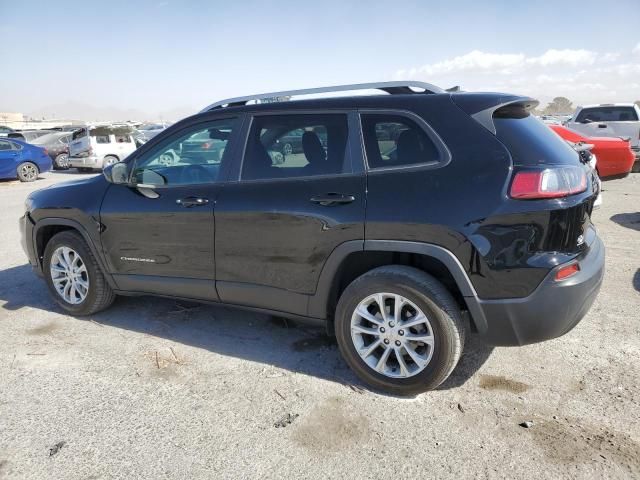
(352, 259)
(45, 229)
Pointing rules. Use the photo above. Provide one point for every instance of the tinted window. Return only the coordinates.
(193, 156)
(607, 114)
(282, 146)
(531, 142)
(394, 140)
(102, 139)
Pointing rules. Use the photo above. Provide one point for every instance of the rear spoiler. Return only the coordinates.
(484, 107)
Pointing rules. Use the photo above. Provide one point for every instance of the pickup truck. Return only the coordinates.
(620, 120)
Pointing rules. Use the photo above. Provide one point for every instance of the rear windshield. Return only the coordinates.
(531, 142)
(607, 114)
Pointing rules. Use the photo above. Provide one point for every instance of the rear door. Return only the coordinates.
(285, 213)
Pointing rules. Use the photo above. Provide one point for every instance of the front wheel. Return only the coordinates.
(399, 329)
(27, 172)
(73, 275)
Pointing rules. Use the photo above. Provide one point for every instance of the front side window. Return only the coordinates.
(395, 141)
(286, 146)
(192, 157)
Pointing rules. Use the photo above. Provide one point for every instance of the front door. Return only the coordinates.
(158, 236)
(290, 208)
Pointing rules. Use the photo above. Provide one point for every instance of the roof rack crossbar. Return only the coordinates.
(396, 87)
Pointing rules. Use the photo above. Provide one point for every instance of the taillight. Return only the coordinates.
(548, 183)
(567, 271)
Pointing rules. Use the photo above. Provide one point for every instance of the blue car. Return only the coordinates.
(22, 161)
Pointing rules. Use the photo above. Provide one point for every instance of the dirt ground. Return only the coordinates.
(154, 388)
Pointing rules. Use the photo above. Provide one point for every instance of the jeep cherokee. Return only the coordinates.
(409, 217)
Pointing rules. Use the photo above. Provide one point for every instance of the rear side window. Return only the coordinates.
(284, 146)
(102, 139)
(123, 139)
(396, 141)
(4, 145)
(531, 142)
(607, 114)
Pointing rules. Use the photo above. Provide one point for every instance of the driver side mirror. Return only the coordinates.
(117, 173)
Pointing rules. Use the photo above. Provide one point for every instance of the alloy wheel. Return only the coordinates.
(392, 335)
(29, 171)
(69, 275)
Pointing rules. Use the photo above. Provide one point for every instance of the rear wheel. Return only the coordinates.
(399, 329)
(27, 172)
(73, 275)
(61, 161)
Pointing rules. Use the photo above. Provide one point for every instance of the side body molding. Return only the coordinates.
(318, 303)
(449, 260)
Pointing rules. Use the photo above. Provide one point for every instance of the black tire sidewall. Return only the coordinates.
(73, 241)
(438, 368)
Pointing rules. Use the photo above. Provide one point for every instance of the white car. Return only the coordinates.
(98, 146)
(610, 120)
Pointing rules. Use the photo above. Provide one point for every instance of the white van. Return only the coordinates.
(96, 147)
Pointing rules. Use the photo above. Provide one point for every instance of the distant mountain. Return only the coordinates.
(83, 111)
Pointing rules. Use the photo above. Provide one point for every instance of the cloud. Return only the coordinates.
(584, 76)
(636, 49)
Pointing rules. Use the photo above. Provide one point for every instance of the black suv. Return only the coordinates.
(421, 214)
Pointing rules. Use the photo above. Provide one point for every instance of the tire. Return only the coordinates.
(27, 172)
(109, 160)
(443, 330)
(98, 294)
(287, 149)
(61, 162)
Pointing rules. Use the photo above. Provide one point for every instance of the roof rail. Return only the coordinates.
(389, 87)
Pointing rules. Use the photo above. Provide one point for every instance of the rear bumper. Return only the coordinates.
(552, 310)
(85, 162)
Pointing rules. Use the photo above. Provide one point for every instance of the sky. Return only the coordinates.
(165, 59)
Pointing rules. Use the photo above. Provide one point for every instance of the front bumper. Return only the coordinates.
(552, 310)
(92, 161)
(25, 224)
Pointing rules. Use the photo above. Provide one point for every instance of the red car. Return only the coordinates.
(614, 155)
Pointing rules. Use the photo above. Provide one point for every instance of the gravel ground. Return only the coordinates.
(154, 388)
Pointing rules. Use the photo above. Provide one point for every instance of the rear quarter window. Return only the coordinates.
(531, 142)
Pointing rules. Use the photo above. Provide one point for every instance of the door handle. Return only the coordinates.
(189, 202)
(332, 199)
